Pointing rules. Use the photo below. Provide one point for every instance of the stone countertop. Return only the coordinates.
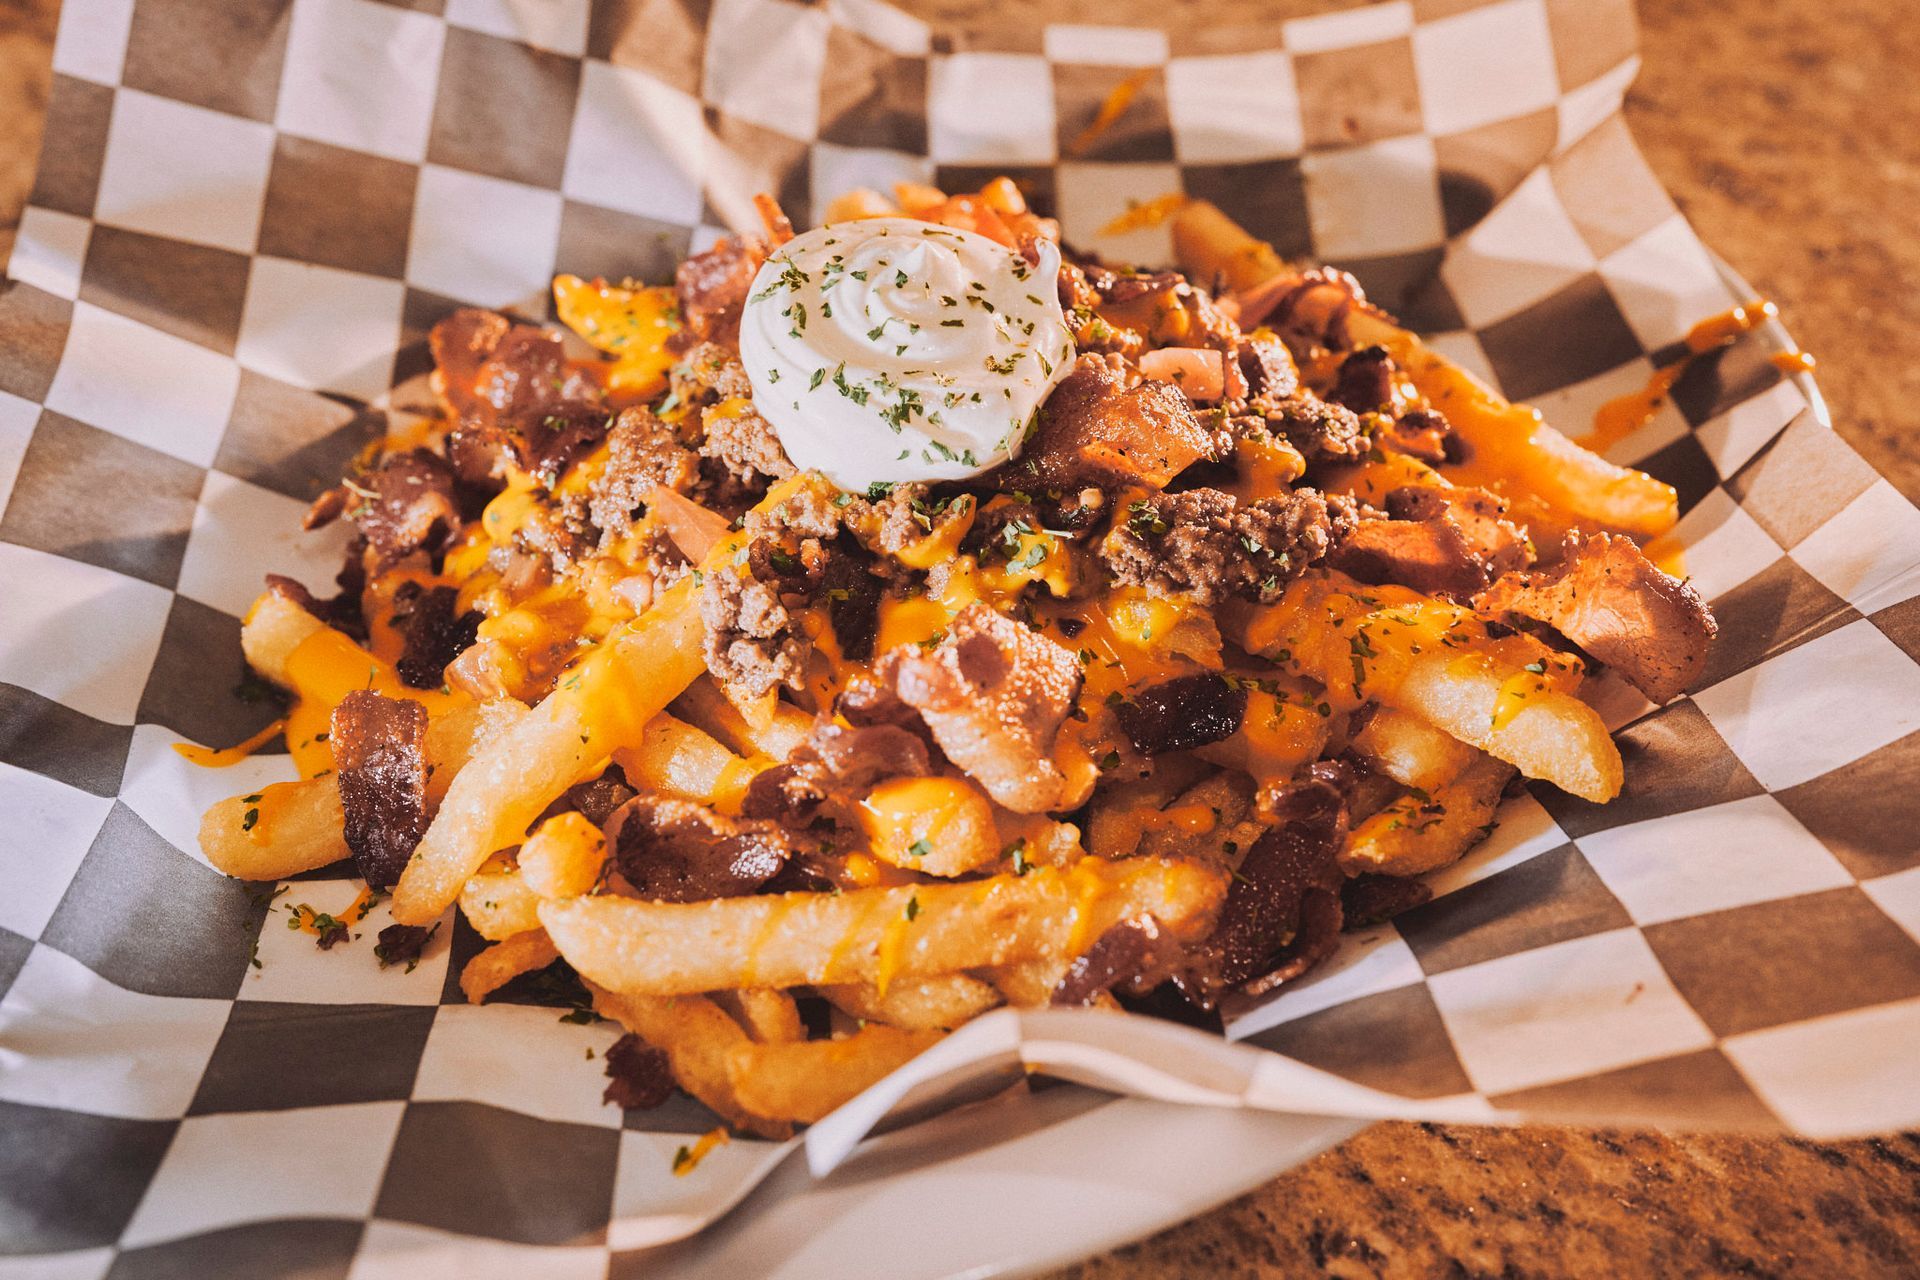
(1789, 131)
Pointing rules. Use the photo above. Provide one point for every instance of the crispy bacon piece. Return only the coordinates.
(713, 285)
(677, 851)
(513, 395)
(409, 505)
(379, 756)
(1370, 898)
(1606, 597)
(837, 762)
(1268, 368)
(461, 343)
(1183, 713)
(1432, 556)
(1094, 430)
(433, 635)
(1282, 913)
(402, 944)
(1135, 954)
(638, 1077)
(1479, 515)
(1365, 381)
(994, 694)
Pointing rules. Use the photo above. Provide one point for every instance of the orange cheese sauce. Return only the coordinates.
(220, 758)
(1619, 418)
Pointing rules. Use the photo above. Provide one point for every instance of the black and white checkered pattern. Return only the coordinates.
(247, 215)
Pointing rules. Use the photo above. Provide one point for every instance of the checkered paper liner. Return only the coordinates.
(247, 215)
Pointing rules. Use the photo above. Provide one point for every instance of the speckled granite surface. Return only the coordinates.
(1789, 130)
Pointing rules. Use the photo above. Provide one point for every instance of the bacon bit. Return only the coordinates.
(402, 944)
(222, 757)
(1112, 107)
(638, 1078)
(1143, 214)
(687, 1159)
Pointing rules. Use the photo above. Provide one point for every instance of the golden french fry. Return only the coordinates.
(676, 759)
(1210, 246)
(504, 961)
(1029, 984)
(1509, 697)
(1430, 829)
(873, 935)
(603, 704)
(769, 1016)
(1035, 840)
(937, 1002)
(498, 903)
(279, 831)
(1411, 751)
(563, 858)
(274, 627)
(940, 826)
(697, 1036)
(703, 705)
(807, 1079)
(1512, 450)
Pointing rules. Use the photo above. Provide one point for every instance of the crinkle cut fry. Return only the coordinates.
(874, 935)
(603, 704)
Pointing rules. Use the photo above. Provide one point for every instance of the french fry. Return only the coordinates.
(1035, 840)
(294, 827)
(274, 627)
(1030, 984)
(497, 901)
(872, 935)
(1213, 820)
(676, 759)
(603, 704)
(807, 1079)
(1420, 833)
(1411, 751)
(697, 1036)
(1509, 697)
(1211, 246)
(504, 961)
(937, 1002)
(703, 705)
(769, 1016)
(563, 858)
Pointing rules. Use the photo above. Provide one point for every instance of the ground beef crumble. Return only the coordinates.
(1205, 545)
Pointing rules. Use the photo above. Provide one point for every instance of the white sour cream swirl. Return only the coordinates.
(889, 350)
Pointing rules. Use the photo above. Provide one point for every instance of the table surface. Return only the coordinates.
(1789, 131)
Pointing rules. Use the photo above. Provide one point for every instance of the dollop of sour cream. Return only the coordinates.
(889, 350)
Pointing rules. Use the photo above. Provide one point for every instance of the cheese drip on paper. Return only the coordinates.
(890, 350)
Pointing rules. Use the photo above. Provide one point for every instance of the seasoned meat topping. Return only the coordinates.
(1606, 597)
(1322, 432)
(994, 695)
(743, 446)
(433, 634)
(1205, 545)
(409, 505)
(379, 756)
(1432, 556)
(676, 851)
(642, 452)
(752, 644)
(713, 285)
(1095, 430)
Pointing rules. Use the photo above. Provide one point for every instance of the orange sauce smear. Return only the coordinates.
(1619, 418)
(222, 757)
